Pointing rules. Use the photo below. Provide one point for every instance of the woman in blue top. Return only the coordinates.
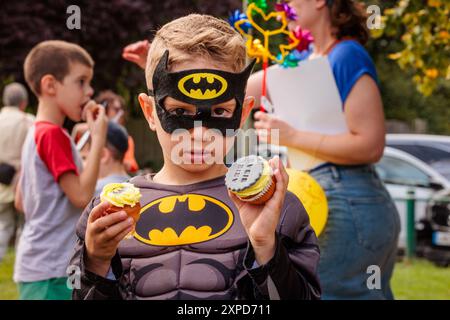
(358, 245)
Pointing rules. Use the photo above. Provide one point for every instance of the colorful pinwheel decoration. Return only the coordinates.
(288, 54)
(302, 51)
(287, 9)
(262, 4)
(238, 15)
(305, 39)
(260, 49)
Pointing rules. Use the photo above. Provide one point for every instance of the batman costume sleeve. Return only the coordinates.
(189, 243)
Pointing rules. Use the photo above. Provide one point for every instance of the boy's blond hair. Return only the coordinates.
(197, 36)
(53, 57)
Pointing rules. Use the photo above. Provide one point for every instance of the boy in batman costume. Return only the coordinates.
(194, 240)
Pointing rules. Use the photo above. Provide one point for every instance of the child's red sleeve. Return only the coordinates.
(55, 149)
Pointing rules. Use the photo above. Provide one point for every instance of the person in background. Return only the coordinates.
(53, 185)
(112, 168)
(115, 110)
(363, 223)
(14, 125)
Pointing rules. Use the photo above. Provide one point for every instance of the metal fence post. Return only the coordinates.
(410, 225)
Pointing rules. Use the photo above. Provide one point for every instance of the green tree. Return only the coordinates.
(408, 92)
(422, 26)
(106, 27)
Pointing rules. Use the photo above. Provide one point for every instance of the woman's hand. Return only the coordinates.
(266, 122)
(260, 221)
(103, 235)
(137, 52)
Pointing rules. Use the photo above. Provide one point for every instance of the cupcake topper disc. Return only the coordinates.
(244, 172)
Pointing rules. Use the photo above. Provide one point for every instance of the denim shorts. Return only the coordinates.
(359, 243)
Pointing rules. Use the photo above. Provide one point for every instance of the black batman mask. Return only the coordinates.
(202, 88)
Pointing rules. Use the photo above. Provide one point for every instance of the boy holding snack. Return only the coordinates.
(52, 189)
(193, 239)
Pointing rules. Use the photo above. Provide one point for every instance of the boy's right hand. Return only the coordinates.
(103, 235)
(97, 121)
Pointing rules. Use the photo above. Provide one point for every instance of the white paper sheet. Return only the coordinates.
(307, 98)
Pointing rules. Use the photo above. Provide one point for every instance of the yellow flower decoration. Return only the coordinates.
(260, 50)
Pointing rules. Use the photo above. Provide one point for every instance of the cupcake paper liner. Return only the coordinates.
(262, 196)
(133, 212)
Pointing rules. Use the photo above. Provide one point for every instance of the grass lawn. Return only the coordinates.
(8, 289)
(411, 281)
(420, 280)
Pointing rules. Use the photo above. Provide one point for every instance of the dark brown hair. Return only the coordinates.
(52, 57)
(349, 19)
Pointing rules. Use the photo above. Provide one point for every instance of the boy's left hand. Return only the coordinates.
(260, 221)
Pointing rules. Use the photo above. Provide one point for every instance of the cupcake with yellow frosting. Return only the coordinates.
(122, 196)
(251, 179)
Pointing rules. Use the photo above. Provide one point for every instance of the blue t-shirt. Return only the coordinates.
(349, 62)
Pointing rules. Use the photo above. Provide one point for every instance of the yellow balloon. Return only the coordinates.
(311, 195)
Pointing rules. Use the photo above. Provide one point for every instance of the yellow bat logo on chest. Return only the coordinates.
(183, 219)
